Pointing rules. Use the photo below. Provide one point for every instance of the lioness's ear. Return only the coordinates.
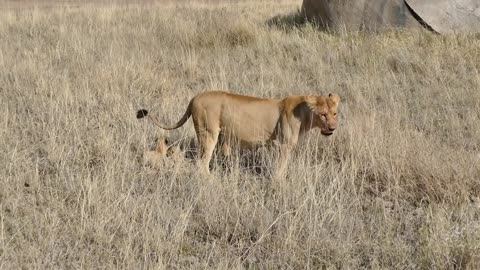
(311, 100)
(315, 103)
(335, 98)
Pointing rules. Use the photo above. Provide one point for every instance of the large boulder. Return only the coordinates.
(447, 16)
(442, 16)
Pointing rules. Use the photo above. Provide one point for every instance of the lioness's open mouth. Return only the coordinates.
(325, 133)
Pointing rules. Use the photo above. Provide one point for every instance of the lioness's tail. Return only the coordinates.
(142, 113)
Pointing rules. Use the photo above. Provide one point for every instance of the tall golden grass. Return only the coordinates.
(397, 186)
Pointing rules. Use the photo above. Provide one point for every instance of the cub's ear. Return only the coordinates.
(335, 98)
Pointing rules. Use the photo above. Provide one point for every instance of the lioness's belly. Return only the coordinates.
(251, 124)
(250, 134)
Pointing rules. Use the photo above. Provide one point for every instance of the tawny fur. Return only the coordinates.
(162, 150)
(251, 121)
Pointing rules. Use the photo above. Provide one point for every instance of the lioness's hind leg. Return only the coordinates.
(224, 143)
(226, 150)
(207, 141)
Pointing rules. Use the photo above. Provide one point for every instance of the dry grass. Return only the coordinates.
(396, 187)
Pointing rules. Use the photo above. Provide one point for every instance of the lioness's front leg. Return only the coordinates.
(290, 132)
(284, 157)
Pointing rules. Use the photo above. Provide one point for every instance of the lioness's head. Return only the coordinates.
(324, 112)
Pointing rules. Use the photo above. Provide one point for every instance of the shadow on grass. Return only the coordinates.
(287, 22)
(256, 162)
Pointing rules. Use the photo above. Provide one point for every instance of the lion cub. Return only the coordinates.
(251, 121)
(162, 150)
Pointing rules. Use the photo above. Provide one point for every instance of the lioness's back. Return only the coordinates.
(223, 94)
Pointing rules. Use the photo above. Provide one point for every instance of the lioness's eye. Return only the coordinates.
(335, 114)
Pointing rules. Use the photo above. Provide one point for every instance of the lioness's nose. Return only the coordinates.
(331, 128)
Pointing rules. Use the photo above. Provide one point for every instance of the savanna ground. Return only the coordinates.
(397, 186)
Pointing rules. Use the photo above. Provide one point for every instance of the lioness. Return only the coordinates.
(254, 121)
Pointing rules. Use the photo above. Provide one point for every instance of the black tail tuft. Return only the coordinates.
(142, 113)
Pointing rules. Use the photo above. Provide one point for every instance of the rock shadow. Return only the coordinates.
(288, 21)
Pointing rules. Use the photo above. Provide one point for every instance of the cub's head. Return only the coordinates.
(325, 112)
